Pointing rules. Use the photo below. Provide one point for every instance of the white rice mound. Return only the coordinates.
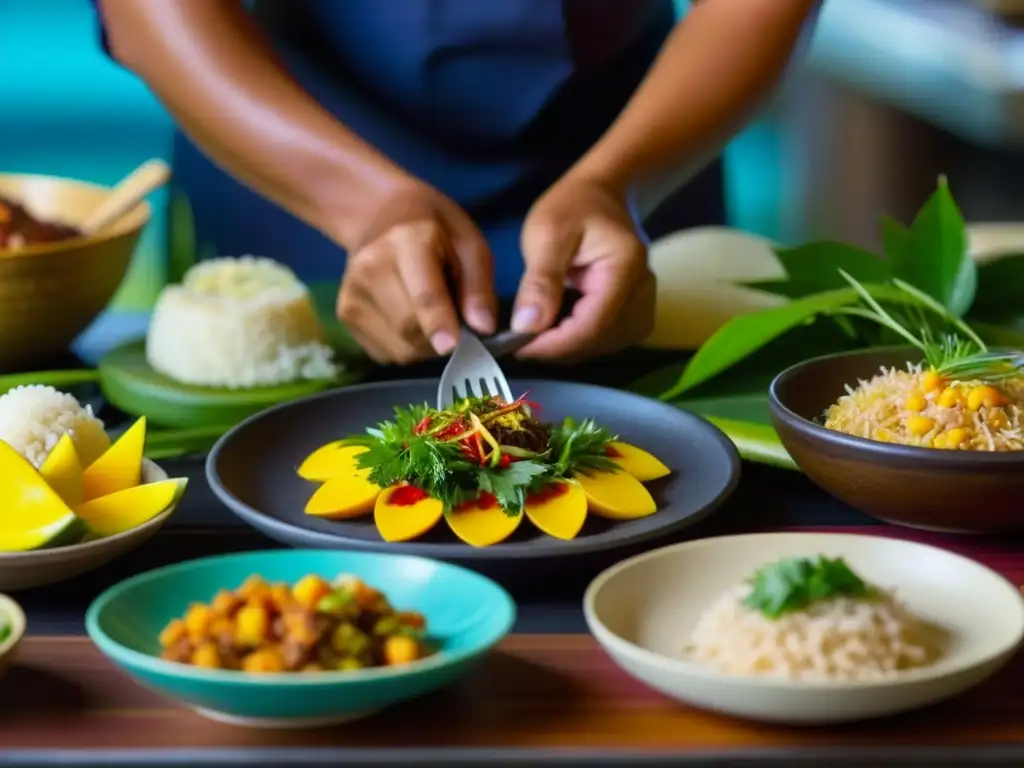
(840, 639)
(34, 418)
(238, 323)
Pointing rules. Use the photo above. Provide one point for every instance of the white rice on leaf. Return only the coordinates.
(34, 418)
(238, 323)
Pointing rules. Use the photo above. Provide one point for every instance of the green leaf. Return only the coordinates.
(931, 254)
(756, 442)
(793, 584)
(895, 239)
(751, 408)
(790, 289)
(62, 380)
(820, 262)
(1000, 292)
(745, 334)
(1007, 337)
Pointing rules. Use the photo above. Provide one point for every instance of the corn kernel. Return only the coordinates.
(884, 436)
(309, 590)
(207, 655)
(400, 650)
(916, 403)
(252, 625)
(198, 619)
(920, 425)
(987, 396)
(263, 661)
(932, 381)
(173, 633)
(951, 397)
(940, 441)
(225, 603)
(997, 419)
(956, 437)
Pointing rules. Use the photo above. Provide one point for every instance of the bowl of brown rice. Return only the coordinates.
(889, 436)
(740, 624)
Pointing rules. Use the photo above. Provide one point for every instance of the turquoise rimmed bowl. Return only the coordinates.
(467, 615)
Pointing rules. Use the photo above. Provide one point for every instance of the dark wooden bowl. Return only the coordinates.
(951, 491)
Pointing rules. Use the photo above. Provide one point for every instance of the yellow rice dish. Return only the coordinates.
(920, 407)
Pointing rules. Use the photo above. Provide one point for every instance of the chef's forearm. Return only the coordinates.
(712, 74)
(216, 73)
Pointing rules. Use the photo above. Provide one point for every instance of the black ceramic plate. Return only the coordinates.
(252, 468)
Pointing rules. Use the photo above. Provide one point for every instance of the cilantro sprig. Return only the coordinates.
(793, 584)
(401, 451)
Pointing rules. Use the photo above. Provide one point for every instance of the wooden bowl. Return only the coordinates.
(926, 488)
(49, 293)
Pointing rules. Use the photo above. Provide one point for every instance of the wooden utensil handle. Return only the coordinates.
(129, 192)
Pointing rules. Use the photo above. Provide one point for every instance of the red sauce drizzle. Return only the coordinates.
(548, 492)
(611, 452)
(407, 495)
(484, 501)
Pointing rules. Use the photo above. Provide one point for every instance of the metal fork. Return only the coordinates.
(473, 371)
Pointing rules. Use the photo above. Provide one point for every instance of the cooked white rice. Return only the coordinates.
(880, 409)
(837, 639)
(238, 323)
(34, 418)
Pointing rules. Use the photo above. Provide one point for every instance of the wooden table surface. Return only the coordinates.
(538, 693)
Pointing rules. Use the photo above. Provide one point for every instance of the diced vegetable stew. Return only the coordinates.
(311, 626)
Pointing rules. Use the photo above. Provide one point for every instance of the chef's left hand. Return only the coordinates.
(581, 233)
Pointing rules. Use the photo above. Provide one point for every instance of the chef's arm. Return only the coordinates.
(715, 70)
(214, 70)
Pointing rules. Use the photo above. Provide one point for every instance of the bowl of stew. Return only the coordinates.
(299, 638)
(54, 280)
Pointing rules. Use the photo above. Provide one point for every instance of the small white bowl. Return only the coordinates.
(37, 568)
(13, 613)
(643, 610)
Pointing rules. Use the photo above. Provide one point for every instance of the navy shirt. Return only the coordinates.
(489, 101)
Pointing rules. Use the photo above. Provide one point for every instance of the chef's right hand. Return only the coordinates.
(395, 296)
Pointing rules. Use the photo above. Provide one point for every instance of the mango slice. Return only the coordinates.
(482, 526)
(639, 463)
(62, 471)
(559, 513)
(332, 460)
(120, 466)
(123, 510)
(617, 495)
(33, 514)
(402, 522)
(342, 498)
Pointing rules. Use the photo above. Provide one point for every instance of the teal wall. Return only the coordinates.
(68, 111)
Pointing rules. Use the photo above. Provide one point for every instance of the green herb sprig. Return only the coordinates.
(6, 627)
(794, 584)
(957, 353)
(396, 452)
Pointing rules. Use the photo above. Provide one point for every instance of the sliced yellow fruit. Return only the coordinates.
(617, 495)
(332, 460)
(639, 463)
(120, 466)
(32, 514)
(62, 471)
(402, 522)
(123, 510)
(559, 512)
(343, 497)
(482, 526)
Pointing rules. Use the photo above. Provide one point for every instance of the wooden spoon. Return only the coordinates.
(128, 193)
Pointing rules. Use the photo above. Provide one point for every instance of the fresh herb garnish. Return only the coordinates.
(958, 353)
(6, 628)
(793, 584)
(480, 446)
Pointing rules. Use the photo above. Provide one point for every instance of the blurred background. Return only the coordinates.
(892, 93)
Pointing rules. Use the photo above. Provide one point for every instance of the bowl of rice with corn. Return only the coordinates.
(936, 444)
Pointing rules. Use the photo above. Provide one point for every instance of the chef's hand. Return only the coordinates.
(395, 297)
(581, 233)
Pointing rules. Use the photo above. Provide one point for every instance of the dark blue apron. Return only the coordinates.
(489, 101)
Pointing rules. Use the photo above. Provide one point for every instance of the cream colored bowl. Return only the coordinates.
(9, 647)
(24, 570)
(642, 612)
(50, 292)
